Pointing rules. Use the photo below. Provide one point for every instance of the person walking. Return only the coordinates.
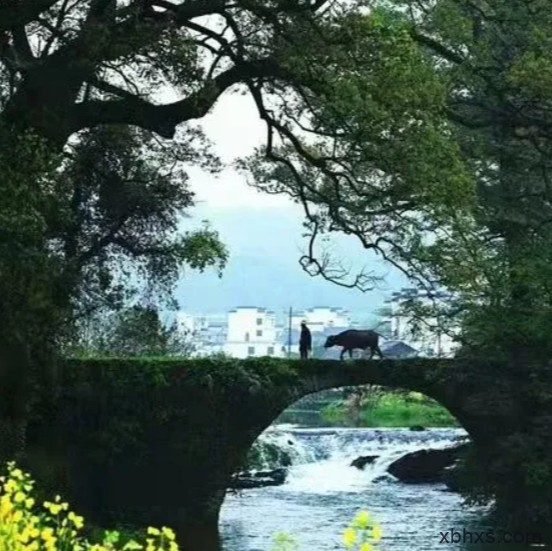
(305, 341)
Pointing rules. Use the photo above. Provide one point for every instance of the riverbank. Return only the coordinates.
(369, 410)
(390, 411)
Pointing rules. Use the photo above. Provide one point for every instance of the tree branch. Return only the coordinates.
(15, 13)
(437, 47)
(163, 119)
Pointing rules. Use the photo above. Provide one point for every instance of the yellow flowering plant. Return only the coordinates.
(25, 526)
(52, 526)
(362, 534)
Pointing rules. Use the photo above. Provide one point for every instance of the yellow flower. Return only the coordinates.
(376, 533)
(5, 506)
(10, 486)
(366, 547)
(362, 519)
(168, 533)
(47, 534)
(77, 521)
(349, 537)
(16, 473)
(24, 528)
(132, 546)
(54, 508)
(24, 536)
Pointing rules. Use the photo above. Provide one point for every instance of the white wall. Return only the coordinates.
(209, 331)
(252, 332)
(320, 318)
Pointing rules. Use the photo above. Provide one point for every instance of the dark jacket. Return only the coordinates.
(305, 340)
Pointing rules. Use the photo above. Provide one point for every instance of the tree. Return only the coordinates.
(85, 231)
(133, 331)
(433, 150)
(435, 153)
(29, 285)
(103, 62)
(125, 196)
(138, 331)
(67, 67)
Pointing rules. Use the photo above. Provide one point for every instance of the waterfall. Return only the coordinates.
(321, 458)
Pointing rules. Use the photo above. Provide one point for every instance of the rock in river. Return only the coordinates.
(258, 479)
(363, 460)
(425, 465)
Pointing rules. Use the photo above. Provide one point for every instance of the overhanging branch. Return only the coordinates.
(15, 13)
(163, 119)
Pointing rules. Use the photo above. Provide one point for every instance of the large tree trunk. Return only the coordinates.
(522, 299)
(32, 295)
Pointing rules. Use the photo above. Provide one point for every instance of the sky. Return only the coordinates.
(263, 234)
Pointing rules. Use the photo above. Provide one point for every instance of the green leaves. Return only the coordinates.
(126, 194)
(425, 133)
(374, 154)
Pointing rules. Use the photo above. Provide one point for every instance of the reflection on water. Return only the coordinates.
(323, 493)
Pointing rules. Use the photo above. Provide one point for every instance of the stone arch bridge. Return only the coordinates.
(156, 441)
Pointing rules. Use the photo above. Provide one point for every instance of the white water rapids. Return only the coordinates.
(323, 492)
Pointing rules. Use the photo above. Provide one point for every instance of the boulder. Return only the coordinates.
(425, 465)
(363, 460)
(258, 479)
(267, 456)
(417, 428)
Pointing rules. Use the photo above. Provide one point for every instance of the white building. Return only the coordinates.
(208, 332)
(186, 322)
(321, 318)
(252, 332)
(425, 335)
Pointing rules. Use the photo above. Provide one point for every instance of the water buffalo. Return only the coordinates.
(352, 339)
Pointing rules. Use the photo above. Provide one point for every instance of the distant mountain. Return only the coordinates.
(265, 247)
(273, 283)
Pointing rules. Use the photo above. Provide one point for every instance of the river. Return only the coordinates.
(323, 492)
